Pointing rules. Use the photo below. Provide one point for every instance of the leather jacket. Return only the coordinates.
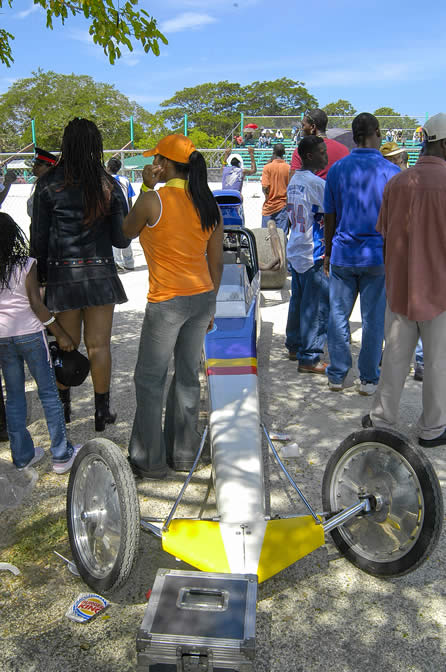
(59, 235)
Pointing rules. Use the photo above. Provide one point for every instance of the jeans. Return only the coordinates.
(306, 329)
(419, 356)
(344, 284)
(32, 349)
(281, 219)
(175, 326)
(124, 256)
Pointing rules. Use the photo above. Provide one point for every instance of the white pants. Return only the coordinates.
(401, 335)
(124, 256)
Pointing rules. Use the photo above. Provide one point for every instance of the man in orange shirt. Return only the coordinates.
(275, 178)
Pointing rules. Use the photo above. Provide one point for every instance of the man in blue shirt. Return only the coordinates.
(354, 254)
(234, 173)
(306, 329)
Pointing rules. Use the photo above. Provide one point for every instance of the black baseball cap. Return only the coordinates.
(71, 368)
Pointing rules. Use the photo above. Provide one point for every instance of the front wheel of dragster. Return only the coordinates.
(405, 523)
(103, 515)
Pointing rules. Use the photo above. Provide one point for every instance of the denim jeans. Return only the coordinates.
(344, 285)
(306, 329)
(419, 356)
(32, 349)
(281, 219)
(175, 326)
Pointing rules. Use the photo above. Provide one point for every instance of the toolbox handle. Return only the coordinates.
(194, 661)
(202, 599)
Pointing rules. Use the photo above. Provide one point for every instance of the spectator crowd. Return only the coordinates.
(358, 224)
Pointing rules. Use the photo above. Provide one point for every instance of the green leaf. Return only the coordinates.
(135, 25)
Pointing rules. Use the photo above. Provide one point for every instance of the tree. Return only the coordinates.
(110, 27)
(211, 107)
(340, 113)
(386, 112)
(215, 107)
(280, 97)
(155, 129)
(389, 118)
(203, 140)
(52, 100)
(341, 108)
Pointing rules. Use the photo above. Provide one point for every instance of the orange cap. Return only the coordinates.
(174, 147)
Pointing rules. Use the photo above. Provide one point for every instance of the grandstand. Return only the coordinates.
(263, 155)
(133, 161)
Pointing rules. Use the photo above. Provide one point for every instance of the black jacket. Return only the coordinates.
(58, 232)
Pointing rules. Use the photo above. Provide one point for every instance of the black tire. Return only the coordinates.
(404, 527)
(103, 516)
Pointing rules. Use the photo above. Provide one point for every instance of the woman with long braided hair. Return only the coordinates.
(77, 218)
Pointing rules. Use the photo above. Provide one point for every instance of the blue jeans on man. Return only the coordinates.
(177, 326)
(306, 329)
(32, 349)
(344, 285)
(419, 354)
(281, 219)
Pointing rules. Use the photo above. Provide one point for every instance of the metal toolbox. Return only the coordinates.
(198, 622)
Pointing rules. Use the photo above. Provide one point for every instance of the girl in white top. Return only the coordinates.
(23, 318)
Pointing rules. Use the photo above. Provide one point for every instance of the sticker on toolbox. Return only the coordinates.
(86, 606)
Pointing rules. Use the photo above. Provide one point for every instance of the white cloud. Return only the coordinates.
(26, 12)
(394, 72)
(81, 36)
(131, 58)
(128, 58)
(5, 83)
(187, 20)
(204, 4)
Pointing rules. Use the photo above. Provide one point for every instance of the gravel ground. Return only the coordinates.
(320, 615)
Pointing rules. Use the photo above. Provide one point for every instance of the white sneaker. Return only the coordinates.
(63, 467)
(38, 454)
(335, 387)
(367, 389)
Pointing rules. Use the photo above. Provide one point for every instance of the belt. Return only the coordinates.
(94, 261)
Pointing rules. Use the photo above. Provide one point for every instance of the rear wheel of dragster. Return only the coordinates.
(404, 525)
(103, 515)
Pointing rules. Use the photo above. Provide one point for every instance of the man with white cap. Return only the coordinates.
(234, 173)
(411, 222)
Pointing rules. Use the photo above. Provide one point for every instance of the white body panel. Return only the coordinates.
(236, 447)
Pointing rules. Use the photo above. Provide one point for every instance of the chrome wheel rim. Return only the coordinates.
(390, 531)
(96, 516)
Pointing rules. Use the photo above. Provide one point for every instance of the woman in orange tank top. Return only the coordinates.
(180, 229)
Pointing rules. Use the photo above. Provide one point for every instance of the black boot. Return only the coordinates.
(65, 397)
(103, 416)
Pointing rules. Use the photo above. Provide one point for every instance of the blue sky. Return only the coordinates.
(372, 54)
